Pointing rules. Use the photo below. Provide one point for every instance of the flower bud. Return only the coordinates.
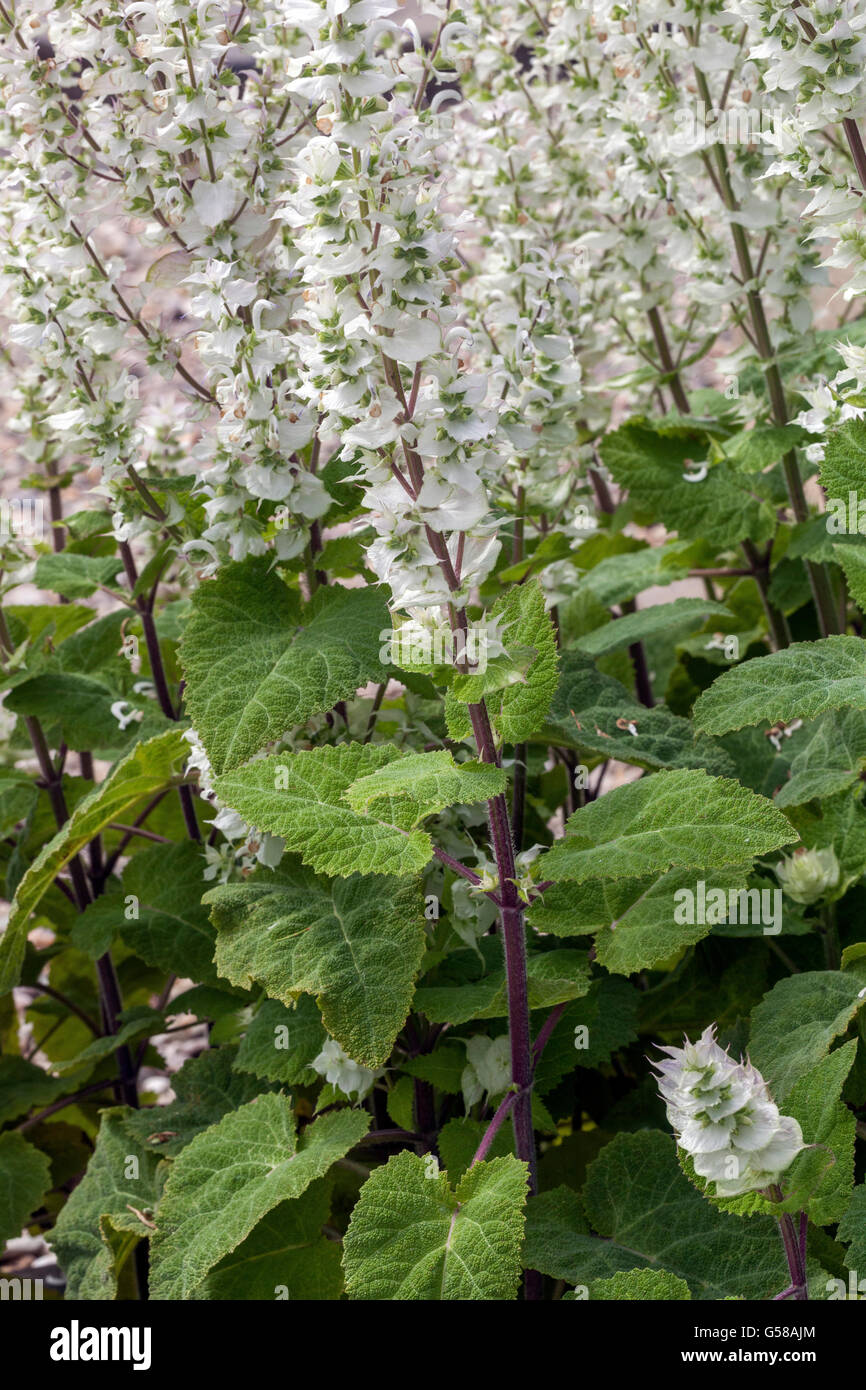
(808, 874)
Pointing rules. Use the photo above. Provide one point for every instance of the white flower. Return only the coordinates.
(341, 1071)
(808, 874)
(723, 1116)
(488, 1068)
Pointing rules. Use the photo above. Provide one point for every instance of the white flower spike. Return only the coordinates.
(723, 1117)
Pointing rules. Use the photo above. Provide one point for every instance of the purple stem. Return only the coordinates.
(508, 1101)
(502, 1110)
(795, 1253)
(455, 864)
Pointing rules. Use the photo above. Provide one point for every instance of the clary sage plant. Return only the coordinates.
(433, 584)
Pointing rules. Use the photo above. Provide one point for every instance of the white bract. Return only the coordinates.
(723, 1117)
(338, 1068)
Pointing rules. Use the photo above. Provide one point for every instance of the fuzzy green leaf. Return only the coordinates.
(24, 1085)
(206, 1088)
(853, 562)
(852, 1228)
(148, 769)
(796, 1024)
(553, 977)
(592, 712)
(799, 682)
(717, 509)
(412, 1237)
(517, 708)
(407, 790)
(641, 1286)
(76, 576)
(24, 1180)
(843, 468)
(257, 665)
(648, 1215)
(828, 759)
(122, 1179)
(647, 622)
(355, 943)
(228, 1179)
(280, 1043)
(285, 1256)
(172, 929)
(301, 797)
(639, 922)
(683, 818)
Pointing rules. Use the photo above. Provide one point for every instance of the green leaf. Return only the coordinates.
(646, 622)
(852, 1228)
(553, 977)
(148, 769)
(518, 708)
(443, 1068)
(412, 1237)
(23, 1086)
(618, 578)
(640, 922)
(206, 1088)
(647, 1214)
(286, 1256)
(24, 1181)
(122, 1179)
(172, 929)
(796, 1024)
(460, 1139)
(843, 469)
(683, 818)
(301, 797)
(718, 509)
(76, 576)
(821, 1179)
(407, 790)
(76, 705)
(257, 665)
(138, 1022)
(355, 943)
(837, 822)
(799, 682)
(280, 1043)
(592, 712)
(18, 797)
(759, 448)
(830, 760)
(641, 1286)
(607, 1018)
(230, 1177)
(46, 621)
(853, 562)
(90, 521)
(400, 1103)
